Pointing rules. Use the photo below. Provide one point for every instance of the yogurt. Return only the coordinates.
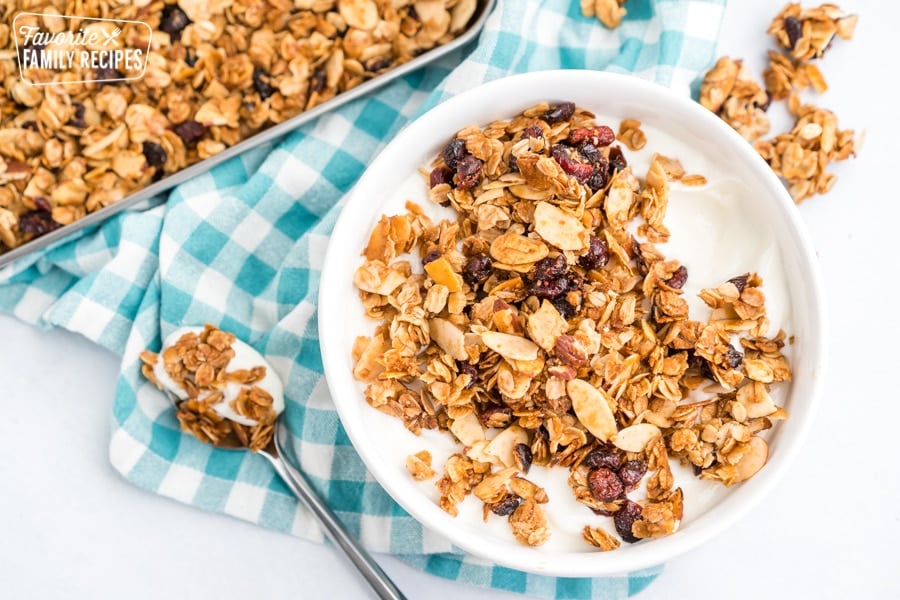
(245, 357)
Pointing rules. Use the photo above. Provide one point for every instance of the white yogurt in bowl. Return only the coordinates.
(741, 221)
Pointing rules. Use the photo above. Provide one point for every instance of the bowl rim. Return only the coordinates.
(659, 550)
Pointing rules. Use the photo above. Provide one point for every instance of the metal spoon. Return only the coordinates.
(334, 529)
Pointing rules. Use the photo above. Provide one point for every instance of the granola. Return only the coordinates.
(539, 331)
(801, 155)
(234, 407)
(807, 33)
(217, 73)
(730, 91)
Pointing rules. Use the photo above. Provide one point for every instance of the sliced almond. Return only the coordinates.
(449, 337)
(636, 437)
(545, 325)
(503, 446)
(753, 459)
(511, 383)
(378, 278)
(467, 429)
(592, 409)
(512, 347)
(559, 228)
(441, 271)
(514, 249)
(619, 200)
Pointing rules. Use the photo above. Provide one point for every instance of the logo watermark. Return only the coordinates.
(91, 48)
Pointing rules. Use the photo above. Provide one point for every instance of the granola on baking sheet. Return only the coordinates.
(217, 73)
(541, 333)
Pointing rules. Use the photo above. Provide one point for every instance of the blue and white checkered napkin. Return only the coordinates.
(242, 246)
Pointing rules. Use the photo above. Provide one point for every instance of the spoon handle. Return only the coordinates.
(334, 529)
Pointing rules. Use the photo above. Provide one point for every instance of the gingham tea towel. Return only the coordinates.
(242, 246)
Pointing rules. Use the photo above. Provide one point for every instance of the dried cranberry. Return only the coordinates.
(154, 153)
(156, 158)
(189, 131)
(794, 30)
(440, 175)
(431, 256)
(549, 288)
(616, 159)
(579, 170)
(454, 152)
(173, 21)
(560, 112)
(513, 163)
(597, 254)
(77, 119)
(590, 152)
(564, 307)
(524, 457)
(598, 136)
(638, 256)
(37, 222)
(533, 131)
(42, 203)
(261, 83)
(605, 485)
(603, 458)
(319, 79)
(631, 472)
(377, 64)
(466, 368)
(507, 505)
(190, 57)
(625, 517)
(477, 269)
(102, 74)
(597, 180)
(550, 267)
(740, 282)
(495, 415)
(678, 278)
(733, 358)
(468, 172)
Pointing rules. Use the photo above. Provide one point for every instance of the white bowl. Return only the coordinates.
(382, 442)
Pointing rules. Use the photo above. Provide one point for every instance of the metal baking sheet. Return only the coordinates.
(151, 194)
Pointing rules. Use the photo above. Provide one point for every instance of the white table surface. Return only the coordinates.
(71, 527)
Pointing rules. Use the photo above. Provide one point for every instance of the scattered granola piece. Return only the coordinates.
(729, 90)
(801, 155)
(419, 465)
(808, 32)
(785, 75)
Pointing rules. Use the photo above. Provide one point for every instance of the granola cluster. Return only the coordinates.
(609, 12)
(540, 331)
(729, 90)
(217, 73)
(800, 156)
(197, 363)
